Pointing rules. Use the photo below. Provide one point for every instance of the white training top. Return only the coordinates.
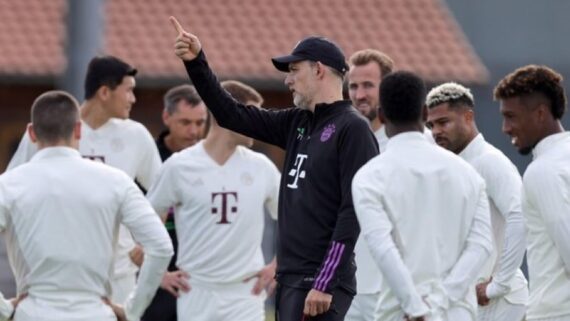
(219, 211)
(383, 138)
(504, 186)
(121, 143)
(368, 276)
(61, 215)
(546, 206)
(424, 214)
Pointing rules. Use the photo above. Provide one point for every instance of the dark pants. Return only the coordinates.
(291, 301)
(162, 307)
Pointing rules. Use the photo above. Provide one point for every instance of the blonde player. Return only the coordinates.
(502, 291)
(424, 214)
(532, 103)
(219, 189)
(61, 216)
(367, 68)
(108, 136)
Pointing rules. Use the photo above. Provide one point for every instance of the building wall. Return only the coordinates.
(509, 34)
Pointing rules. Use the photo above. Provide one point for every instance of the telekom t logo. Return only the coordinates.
(297, 172)
(225, 200)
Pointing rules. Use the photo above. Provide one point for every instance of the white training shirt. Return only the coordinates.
(121, 143)
(219, 211)
(424, 214)
(546, 206)
(383, 138)
(368, 276)
(504, 186)
(61, 216)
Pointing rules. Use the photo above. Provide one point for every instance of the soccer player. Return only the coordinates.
(108, 136)
(61, 216)
(532, 103)
(326, 142)
(367, 68)
(185, 117)
(503, 292)
(219, 189)
(424, 214)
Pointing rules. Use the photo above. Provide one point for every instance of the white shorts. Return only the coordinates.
(362, 307)
(500, 309)
(31, 309)
(122, 287)
(221, 303)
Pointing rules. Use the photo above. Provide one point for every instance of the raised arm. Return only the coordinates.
(271, 127)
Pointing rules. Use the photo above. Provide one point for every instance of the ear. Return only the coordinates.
(77, 130)
(320, 70)
(469, 115)
(32, 133)
(542, 112)
(103, 93)
(165, 118)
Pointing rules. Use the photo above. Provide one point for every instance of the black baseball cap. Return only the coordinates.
(314, 48)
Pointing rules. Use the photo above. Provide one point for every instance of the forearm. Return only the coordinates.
(478, 247)
(228, 112)
(464, 272)
(149, 279)
(511, 256)
(396, 274)
(339, 253)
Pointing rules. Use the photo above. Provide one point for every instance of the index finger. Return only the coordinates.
(176, 25)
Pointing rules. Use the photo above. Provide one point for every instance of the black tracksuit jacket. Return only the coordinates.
(317, 223)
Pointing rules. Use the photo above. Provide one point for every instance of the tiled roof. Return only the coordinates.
(31, 37)
(239, 37)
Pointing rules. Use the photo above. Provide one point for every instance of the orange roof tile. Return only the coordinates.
(31, 37)
(240, 37)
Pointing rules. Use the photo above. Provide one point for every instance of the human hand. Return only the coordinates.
(187, 46)
(317, 302)
(175, 281)
(117, 309)
(481, 290)
(137, 255)
(265, 279)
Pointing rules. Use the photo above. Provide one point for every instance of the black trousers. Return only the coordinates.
(162, 307)
(289, 304)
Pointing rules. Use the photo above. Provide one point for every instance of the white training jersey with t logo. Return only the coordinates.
(121, 143)
(219, 211)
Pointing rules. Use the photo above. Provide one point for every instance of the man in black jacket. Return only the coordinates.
(185, 117)
(326, 142)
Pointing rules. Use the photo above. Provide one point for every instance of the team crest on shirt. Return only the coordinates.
(117, 145)
(328, 132)
(246, 178)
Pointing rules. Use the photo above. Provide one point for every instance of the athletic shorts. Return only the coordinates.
(233, 302)
(33, 309)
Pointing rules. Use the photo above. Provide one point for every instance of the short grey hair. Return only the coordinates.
(452, 93)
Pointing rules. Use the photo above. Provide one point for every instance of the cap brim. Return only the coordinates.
(282, 63)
